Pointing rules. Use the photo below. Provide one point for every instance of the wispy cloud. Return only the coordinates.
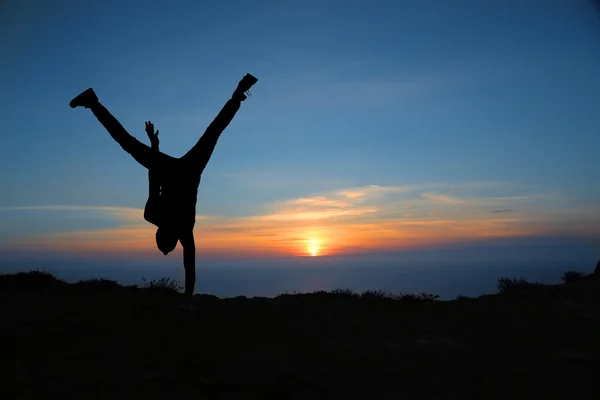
(371, 190)
(442, 198)
(126, 214)
(314, 208)
(294, 215)
(122, 216)
(318, 201)
(57, 207)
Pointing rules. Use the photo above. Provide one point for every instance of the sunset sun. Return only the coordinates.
(313, 247)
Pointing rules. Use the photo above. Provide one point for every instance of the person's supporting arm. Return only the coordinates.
(151, 211)
(189, 261)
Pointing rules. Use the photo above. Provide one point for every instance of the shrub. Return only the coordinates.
(166, 285)
(506, 285)
(287, 294)
(417, 296)
(344, 292)
(572, 276)
(380, 294)
(376, 294)
(32, 279)
(462, 297)
(99, 284)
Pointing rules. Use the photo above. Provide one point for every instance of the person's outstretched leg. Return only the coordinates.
(200, 154)
(142, 153)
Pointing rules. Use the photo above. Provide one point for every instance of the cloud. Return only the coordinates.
(69, 208)
(370, 190)
(313, 208)
(442, 199)
(63, 216)
(313, 215)
(319, 201)
(352, 193)
(124, 214)
(504, 210)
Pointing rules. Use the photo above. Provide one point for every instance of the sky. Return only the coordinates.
(411, 145)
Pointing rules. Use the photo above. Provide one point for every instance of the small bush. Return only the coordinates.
(99, 284)
(376, 294)
(344, 292)
(287, 294)
(166, 285)
(572, 276)
(35, 279)
(417, 296)
(37, 275)
(380, 294)
(462, 297)
(506, 285)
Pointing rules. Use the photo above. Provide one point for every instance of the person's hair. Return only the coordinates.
(166, 240)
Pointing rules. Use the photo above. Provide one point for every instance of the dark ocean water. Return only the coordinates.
(467, 270)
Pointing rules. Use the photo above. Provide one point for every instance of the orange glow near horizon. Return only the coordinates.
(256, 240)
(320, 226)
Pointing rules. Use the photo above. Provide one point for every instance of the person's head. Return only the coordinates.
(166, 240)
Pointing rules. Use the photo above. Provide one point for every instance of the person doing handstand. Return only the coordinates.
(173, 182)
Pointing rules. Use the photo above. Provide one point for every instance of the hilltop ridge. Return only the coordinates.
(106, 341)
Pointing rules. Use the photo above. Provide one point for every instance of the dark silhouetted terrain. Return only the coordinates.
(101, 340)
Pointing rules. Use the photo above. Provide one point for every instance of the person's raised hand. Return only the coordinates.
(151, 134)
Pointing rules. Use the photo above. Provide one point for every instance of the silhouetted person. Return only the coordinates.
(173, 182)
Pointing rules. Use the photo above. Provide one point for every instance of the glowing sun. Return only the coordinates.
(313, 247)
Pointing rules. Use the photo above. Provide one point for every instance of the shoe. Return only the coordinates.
(84, 99)
(245, 84)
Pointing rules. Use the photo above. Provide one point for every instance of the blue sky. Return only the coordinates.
(375, 127)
